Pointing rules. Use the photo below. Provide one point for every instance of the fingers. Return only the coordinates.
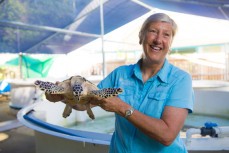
(79, 107)
(57, 82)
(54, 97)
(95, 100)
(100, 104)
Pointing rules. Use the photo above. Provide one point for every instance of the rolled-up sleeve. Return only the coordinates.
(181, 94)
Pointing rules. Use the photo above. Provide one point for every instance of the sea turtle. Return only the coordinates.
(77, 90)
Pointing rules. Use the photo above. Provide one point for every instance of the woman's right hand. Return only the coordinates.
(54, 97)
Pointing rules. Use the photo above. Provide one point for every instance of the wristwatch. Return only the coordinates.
(129, 112)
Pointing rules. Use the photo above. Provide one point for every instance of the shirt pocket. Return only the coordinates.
(155, 104)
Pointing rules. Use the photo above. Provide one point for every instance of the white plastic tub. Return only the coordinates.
(78, 133)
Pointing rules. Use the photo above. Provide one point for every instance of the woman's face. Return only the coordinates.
(157, 42)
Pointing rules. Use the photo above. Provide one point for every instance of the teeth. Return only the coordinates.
(155, 48)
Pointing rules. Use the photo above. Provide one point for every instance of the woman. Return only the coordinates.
(157, 96)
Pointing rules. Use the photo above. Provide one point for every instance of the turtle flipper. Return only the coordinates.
(67, 111)
(49, 87)
(89, 111)
(99, 94)
(106, 92)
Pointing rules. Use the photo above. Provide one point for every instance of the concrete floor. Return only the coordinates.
(17, 140)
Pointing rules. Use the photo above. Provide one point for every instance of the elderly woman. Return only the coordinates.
(157, 96)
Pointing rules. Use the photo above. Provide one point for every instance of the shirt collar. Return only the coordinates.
(162, 74)
(137, 70)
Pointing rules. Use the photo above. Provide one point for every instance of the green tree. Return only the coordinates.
(54, 13)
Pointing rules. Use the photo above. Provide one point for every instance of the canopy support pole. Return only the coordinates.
(20, 53)
(102, 38)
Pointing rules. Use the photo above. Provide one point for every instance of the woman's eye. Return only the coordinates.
(153, 31)
(167, 35)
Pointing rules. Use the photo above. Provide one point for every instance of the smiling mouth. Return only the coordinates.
(155, 48)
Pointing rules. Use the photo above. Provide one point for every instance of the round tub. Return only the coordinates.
(78, 133)
(211, 98)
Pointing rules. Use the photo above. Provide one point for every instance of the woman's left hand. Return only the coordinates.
(113, 104)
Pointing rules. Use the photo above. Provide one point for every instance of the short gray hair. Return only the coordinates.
(153, 18)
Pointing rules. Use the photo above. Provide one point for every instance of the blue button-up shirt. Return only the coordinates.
(171, 86)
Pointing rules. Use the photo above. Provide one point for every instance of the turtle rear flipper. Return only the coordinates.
(89, 111)
(67, 111)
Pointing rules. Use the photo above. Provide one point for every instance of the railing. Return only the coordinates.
(200, 71)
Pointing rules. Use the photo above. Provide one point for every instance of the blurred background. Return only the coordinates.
(53, 40)
(61, 38)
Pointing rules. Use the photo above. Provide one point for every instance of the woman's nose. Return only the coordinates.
(158, 39)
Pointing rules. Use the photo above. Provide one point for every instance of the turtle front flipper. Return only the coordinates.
(67, 111)
(106, 92)
(49, 87)
(89, 111)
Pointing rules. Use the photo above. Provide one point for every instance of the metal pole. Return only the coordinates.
(226, 51)
(20, 53)
(20, 65)
(47, 28)
(102, 39)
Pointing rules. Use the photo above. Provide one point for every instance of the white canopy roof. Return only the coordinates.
(192, 31)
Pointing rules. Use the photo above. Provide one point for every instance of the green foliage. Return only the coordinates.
(12, 10)
(54, 13)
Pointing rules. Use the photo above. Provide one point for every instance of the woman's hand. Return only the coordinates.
(54, 97)
(113, 104)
